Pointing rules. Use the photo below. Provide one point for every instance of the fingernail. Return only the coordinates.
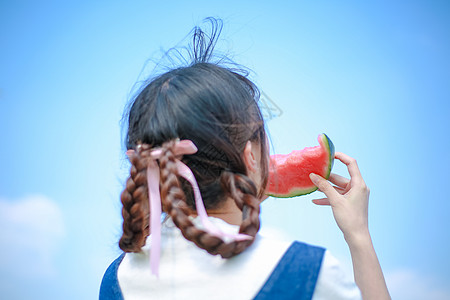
(313, 177)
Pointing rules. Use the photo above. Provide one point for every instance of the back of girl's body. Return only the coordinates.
(196, 139)
(187, 272)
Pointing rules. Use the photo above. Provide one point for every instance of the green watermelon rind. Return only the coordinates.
(301, 192)
(330, 146)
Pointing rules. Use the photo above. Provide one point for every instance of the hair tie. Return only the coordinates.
(183, 147)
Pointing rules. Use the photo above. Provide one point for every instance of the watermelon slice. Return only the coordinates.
(289, 173)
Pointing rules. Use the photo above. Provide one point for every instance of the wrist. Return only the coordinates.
(358, 238)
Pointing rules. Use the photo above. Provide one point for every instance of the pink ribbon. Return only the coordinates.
(184, 147)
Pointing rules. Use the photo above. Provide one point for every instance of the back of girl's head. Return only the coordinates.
(217, 109)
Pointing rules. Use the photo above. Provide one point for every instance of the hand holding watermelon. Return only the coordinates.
(349, 200)
(302, 172)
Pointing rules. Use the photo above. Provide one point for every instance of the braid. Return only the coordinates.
(238, 186)
(174, 202)
(134, 199)
(244, 192)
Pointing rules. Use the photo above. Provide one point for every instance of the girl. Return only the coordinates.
(198, 152)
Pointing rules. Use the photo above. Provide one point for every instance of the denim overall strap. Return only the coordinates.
(110, 289)
(296, 274)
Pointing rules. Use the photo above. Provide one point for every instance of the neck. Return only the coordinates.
(229, 217)
(228, 211)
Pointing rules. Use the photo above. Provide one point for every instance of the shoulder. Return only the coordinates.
(334, 282)
(296, 273)
(308, 272)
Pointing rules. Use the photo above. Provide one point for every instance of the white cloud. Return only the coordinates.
(31, 230)
(407, 284)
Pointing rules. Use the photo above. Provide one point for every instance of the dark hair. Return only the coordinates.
(217, 109)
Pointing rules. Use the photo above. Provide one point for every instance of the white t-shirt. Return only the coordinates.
(188, 272)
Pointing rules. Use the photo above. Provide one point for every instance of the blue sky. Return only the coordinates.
(373, 75)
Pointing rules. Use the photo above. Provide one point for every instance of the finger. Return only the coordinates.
(323, 185)
(338, 180)
(351, 164)
(322, 201)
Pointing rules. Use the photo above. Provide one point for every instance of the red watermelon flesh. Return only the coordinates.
(289, 173)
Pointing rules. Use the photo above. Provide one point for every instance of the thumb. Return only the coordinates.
(324, 186)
